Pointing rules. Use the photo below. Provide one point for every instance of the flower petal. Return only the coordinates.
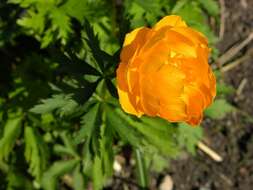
(126, 104)
(136, 34)
(172, 21)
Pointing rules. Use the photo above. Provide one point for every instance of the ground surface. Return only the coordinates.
(232, 137)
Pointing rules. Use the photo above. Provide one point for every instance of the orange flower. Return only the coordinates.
(164, 72)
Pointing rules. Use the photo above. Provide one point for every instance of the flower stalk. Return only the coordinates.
(141, 168)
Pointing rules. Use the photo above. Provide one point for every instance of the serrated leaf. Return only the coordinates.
(34, 21)
(211, 6)
(157, 132)
(101, 57)
(68, 142)
(61, 102)
(71, 64)
(189, 136)
(59, 168)
(106, 149)
(143, 12)
(219, 109)
(122, 127)
(224, 89)
(61, 23)
(111, 87)
(35, 153)
(159, 163)
(179, 5)
(12, 130)
(17, 180)
(97, 174)
(192, 13)
(89, 123)
(80, 10)
(78, 179)
(68, 147)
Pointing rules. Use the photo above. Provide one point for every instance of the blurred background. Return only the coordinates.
(45, 101)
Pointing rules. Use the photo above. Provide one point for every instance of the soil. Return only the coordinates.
(232, 137)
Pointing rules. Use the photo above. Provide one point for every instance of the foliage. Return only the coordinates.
(219, 109)
(59, 113)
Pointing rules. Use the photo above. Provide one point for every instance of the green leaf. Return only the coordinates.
(12, 131)
(219, 109)
(106, 149)
(158, 162)
(78, 179)
(97, 174)
(145, 12)
(141, 169)
(192, 13)
(86, 9)
(189, 136)
(62, 102)
(34, 21)
(224, 89)
(179, 5)
(36, 153)
(72, 64)
(211, 6)
(122, 127)
(61, 23)
(159, 133)
(59, 168)
(89, 123)
(69, 146)
(101, 57)
(111, 87)
(17, 180)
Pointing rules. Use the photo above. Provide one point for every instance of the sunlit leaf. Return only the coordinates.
(89, 123)
(12, 131)
(59, 168)
(219, 109)
(211, 6)
(36, 153)
(189, 136)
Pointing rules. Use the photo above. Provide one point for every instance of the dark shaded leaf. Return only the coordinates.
(101, 57)
(111, 87)
(71, 64)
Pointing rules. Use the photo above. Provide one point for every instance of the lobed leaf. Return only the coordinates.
(219, 109)
(59, 168)
(12, 131)
(189, 136)
(36, 153)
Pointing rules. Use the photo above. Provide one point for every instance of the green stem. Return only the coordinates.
(142, 175)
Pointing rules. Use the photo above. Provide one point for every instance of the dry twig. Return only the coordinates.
(235, 63)
(209, 152)
(234, 50)
(222, 19)
(241, 86)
